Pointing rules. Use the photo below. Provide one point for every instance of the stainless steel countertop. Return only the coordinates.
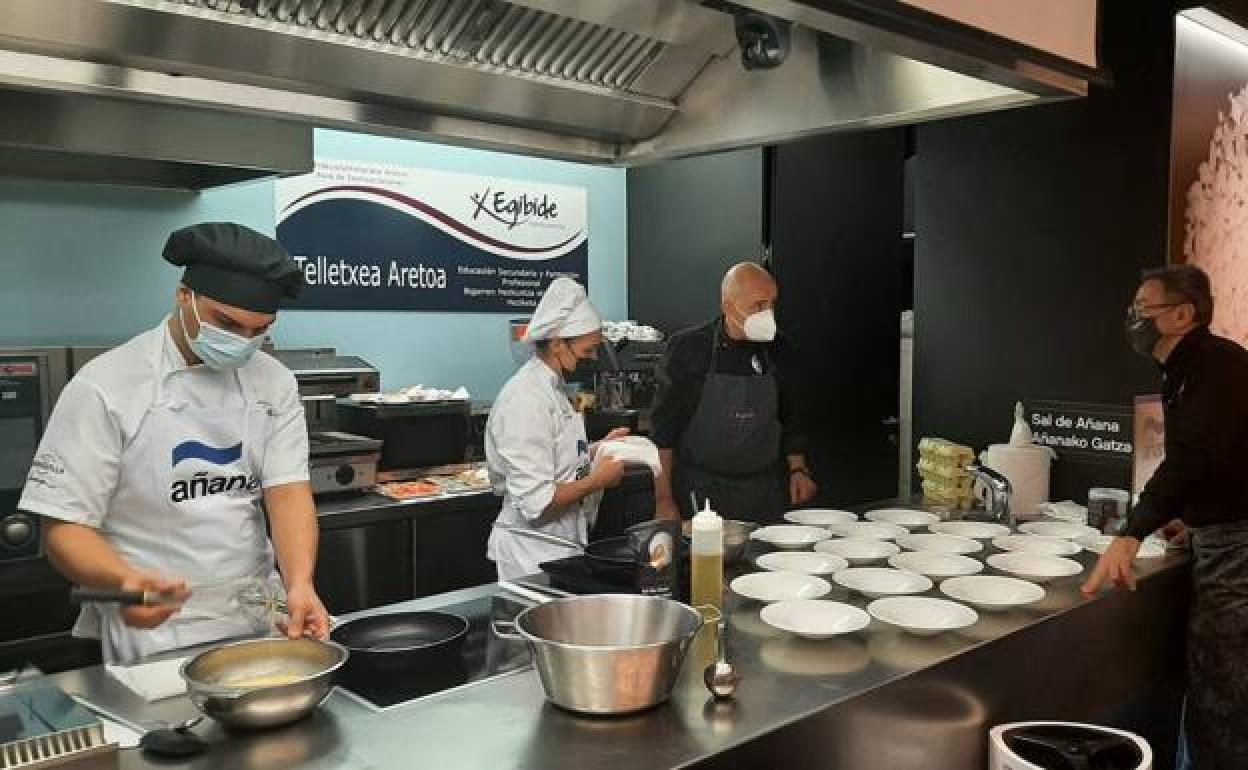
(507, 724)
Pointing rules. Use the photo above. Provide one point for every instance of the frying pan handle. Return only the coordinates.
(543, 536)
(80, 594)
(497, 627)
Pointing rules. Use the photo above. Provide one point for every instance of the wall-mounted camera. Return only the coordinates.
(764, 40)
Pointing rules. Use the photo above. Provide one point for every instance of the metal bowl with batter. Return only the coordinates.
(263, 682)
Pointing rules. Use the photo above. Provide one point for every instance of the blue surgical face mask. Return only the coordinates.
(218, 348)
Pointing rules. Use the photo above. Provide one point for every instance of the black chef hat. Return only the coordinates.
(235, 265)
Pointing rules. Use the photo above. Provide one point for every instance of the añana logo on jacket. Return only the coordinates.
(203, 483)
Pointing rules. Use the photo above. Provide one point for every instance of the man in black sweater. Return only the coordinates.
(1205, 395)
(724, 419)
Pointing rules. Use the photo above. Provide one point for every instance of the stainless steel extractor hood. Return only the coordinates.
(83, 138)
(608, 81)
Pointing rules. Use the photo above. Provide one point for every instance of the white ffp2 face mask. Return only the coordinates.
(760, 326)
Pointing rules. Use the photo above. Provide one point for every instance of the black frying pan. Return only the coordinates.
(407, 642)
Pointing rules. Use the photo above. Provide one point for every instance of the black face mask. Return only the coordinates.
(582, 370)
(1142, 335)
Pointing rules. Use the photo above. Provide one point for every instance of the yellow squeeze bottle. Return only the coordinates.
(707, 552)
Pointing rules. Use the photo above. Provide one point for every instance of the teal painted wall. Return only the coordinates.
(82, 264)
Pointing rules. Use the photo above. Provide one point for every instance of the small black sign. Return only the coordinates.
(1089, 432)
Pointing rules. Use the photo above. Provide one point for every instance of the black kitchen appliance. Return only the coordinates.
(624, 564)
(477, 423)
(342, 462)
(324, 377)
(25, 403)
(624, 382)
(33, 596)
(337, 461)
(416, 435)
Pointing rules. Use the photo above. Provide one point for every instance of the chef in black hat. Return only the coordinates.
(155, 461)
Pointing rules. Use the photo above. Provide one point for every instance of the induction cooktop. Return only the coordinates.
(484, 657)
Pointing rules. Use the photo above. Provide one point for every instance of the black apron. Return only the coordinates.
(730, 451)
(1216, 719)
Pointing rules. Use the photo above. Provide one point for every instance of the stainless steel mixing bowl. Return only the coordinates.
(263, 682)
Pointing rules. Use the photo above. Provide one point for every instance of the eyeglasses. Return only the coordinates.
(1135, 312)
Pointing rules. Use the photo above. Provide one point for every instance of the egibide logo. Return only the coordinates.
(202, 483)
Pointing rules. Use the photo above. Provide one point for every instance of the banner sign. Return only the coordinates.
(1100, 433)
(370, 236)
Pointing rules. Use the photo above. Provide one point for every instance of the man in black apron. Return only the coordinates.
(1205, 394)
(725, 428)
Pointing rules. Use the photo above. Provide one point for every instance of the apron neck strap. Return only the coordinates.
(715, 338)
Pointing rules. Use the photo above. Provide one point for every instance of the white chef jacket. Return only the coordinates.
(78, 471)
(534, 440)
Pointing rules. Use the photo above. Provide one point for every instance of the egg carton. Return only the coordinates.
(944, 452)
(953, 475)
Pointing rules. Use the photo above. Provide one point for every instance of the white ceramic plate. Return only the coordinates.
(940, 543)
(992, 593)
(976, 530)
(805, 562)
(819, 517)
(1063, 529)
(791, 536)
(779, 586)
(936, 565)
(871, 529)
(815, 619)
(1035, 567)
(1151, 548)
(922, 616)
(1045, 546)
(903, 517)
(875, 582)
(859, 551)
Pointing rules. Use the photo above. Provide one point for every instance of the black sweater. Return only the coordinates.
(1205, 396)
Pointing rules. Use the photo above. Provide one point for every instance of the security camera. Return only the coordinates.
(764, 40)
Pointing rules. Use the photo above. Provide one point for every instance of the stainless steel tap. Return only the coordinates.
(998, 492)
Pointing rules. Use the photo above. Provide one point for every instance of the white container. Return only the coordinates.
(1028, 469)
